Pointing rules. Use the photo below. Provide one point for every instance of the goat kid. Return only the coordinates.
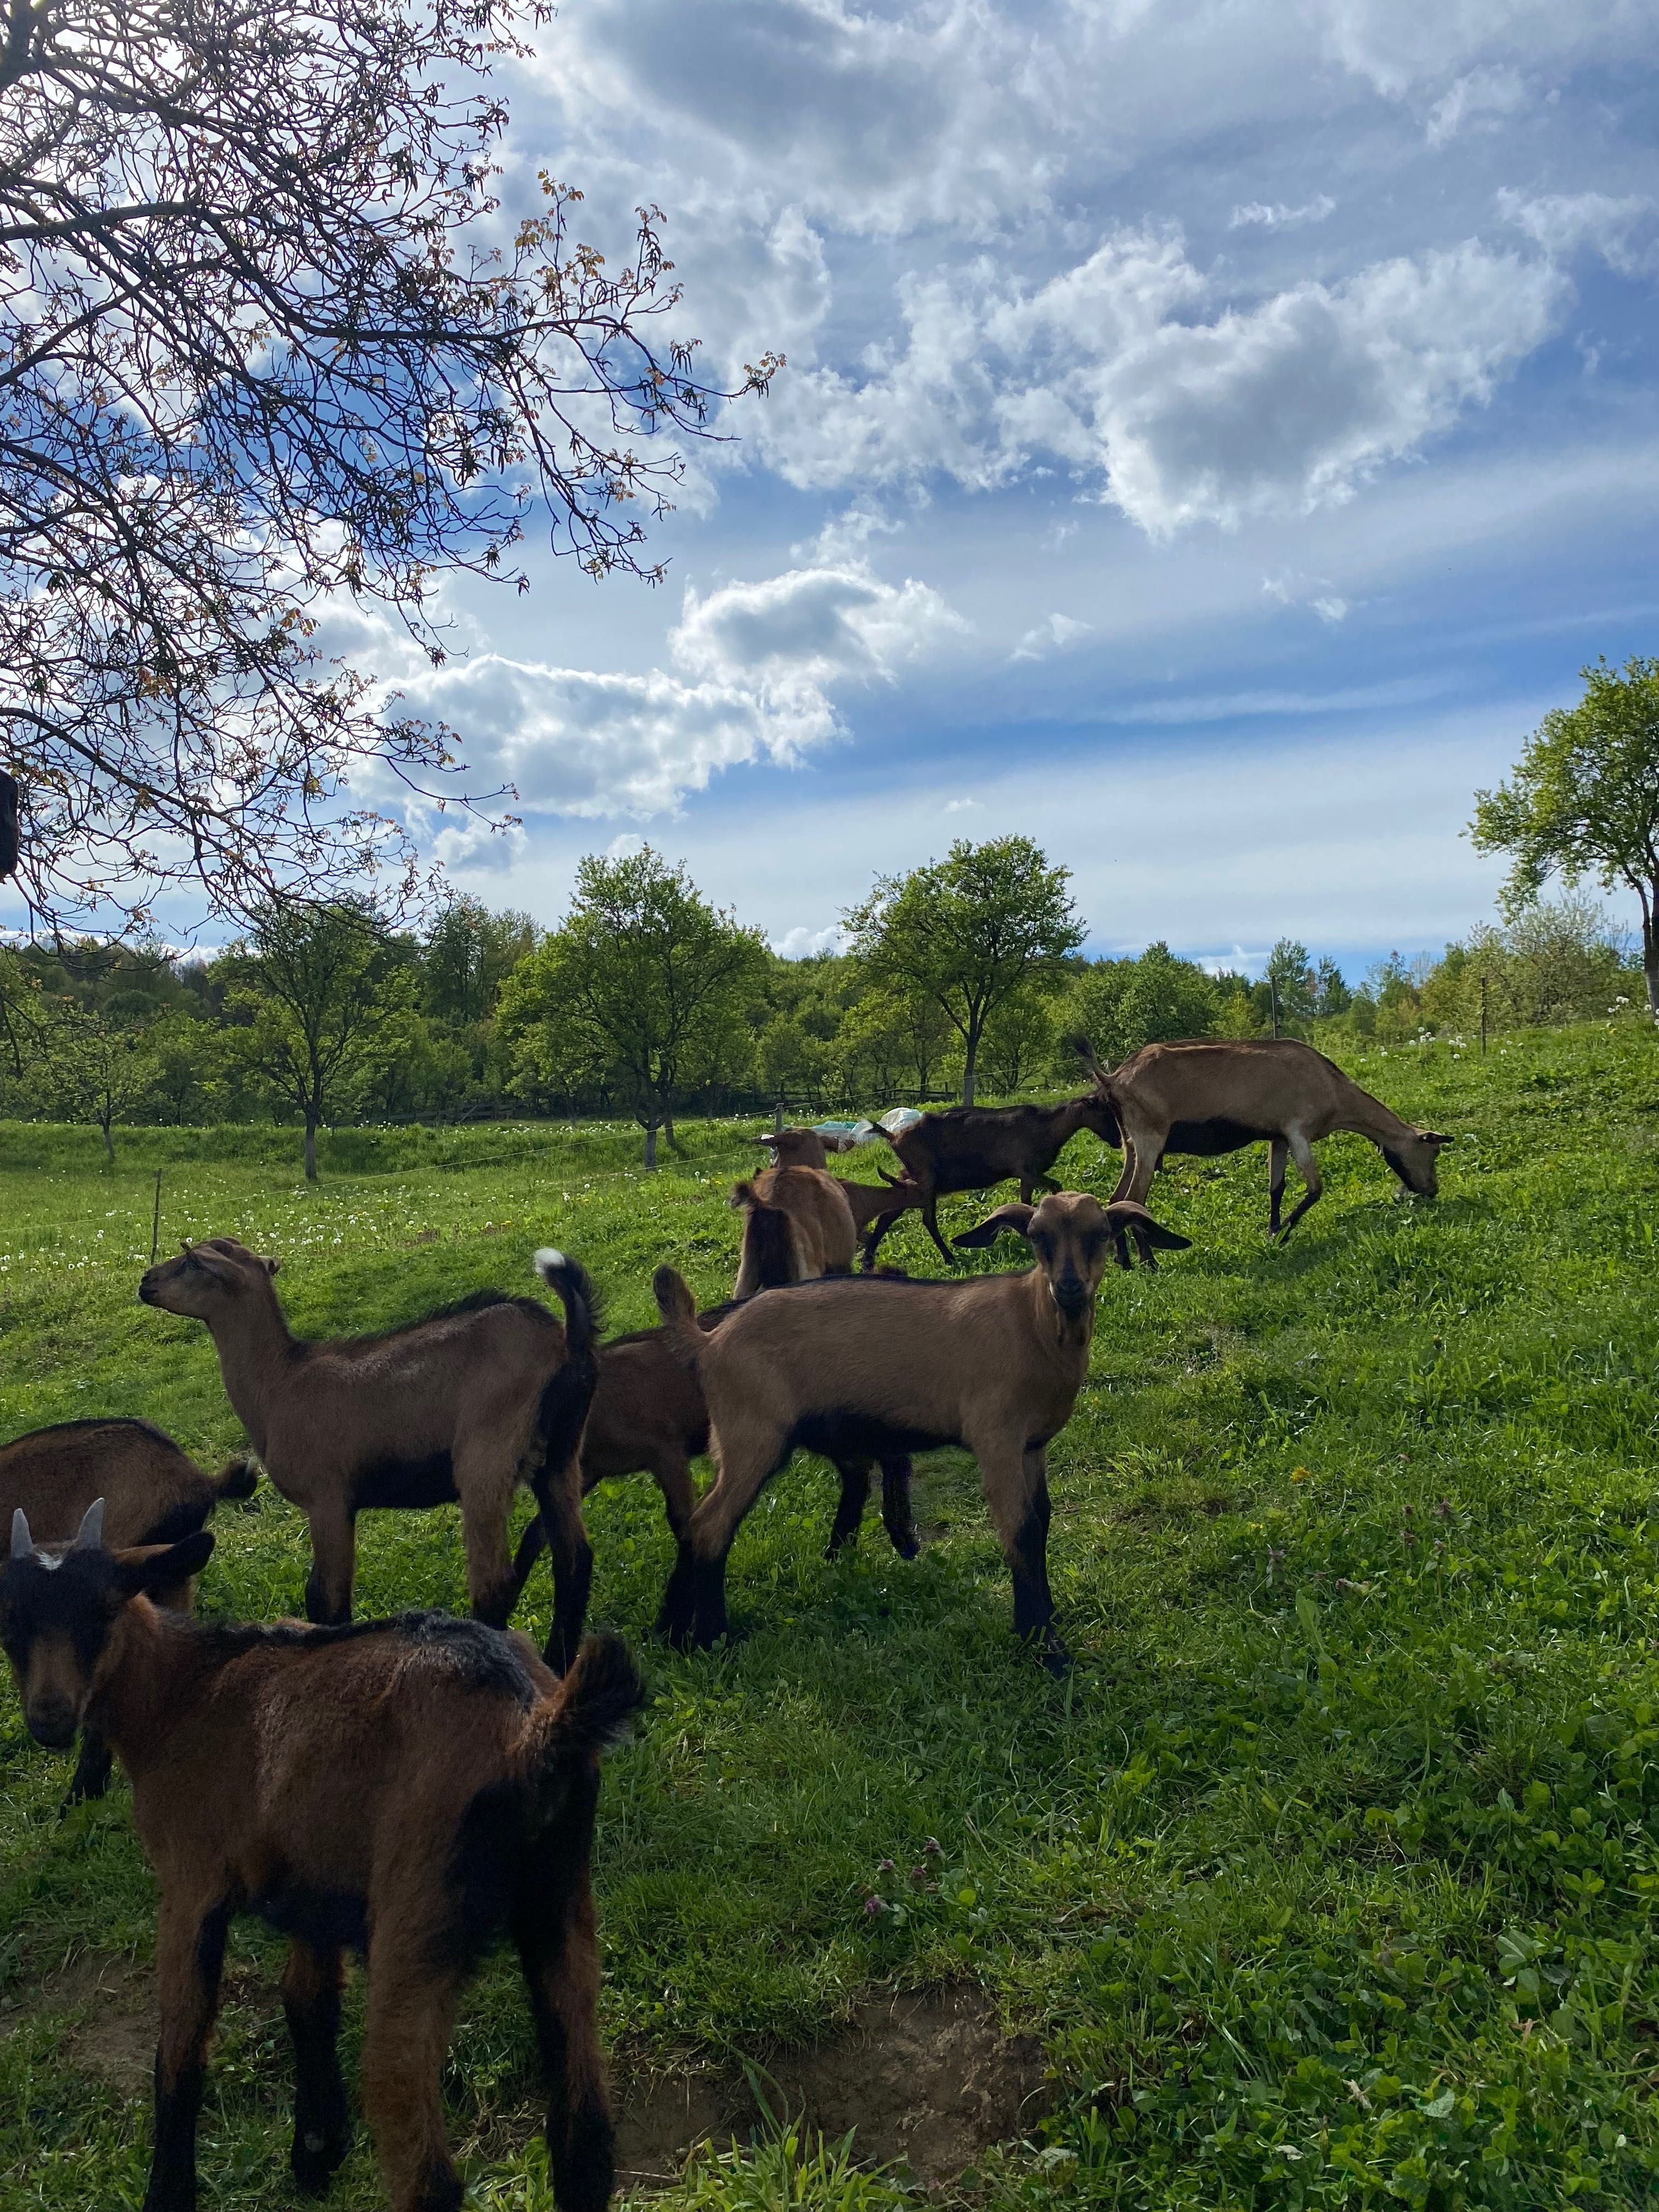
(798, 1224)
(876, 1364)
(874, 1207)
(971, 1147)
(466, 1404)
(154, 1493)
(1211, 1095)
(410, 1788)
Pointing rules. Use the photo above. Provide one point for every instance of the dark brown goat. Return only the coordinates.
(972, 1147)
(648, 1417)
(870, 1363)
(467, 1404)
(413, 1789)
(154, 1493)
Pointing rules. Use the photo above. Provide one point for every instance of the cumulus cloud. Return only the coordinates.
(1484, 95)
(801, 943)
(1180, 408)
(1056, 630)
(755, 666)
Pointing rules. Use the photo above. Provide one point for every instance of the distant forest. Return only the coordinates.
(337, 1018)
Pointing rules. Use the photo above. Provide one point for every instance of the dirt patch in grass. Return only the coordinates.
(927, 2079)
(107, 2004)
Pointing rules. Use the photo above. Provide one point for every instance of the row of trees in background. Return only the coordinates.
(647, 1000)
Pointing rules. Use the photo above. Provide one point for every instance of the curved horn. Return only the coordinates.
(90, 1533)
(22, 1544)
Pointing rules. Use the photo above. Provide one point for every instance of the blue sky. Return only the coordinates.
(1215, 431)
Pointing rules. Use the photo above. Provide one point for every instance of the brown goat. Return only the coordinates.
(1210, 1095)
(879, 1363)
(413, 1789)
(648, 1417)
(972, 1147)
(154, 1493)
(796, 1148)
(467, 1404)
(876, 1206)
(797, 1224)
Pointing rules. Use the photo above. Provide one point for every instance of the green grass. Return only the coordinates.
(1329, 1875)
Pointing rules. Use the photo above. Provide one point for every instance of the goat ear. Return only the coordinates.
(163, 1566)
(273, 1267)
(1125, 1215)
(1015, 1218)
(1434, 1137)
(743, 1194)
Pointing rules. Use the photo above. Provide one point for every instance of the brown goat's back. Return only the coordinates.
(154, 1493)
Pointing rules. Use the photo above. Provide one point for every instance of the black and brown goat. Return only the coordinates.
(972, 1147)
(413, 1789)
(876, 1364)
(1211, 1095)
(467, 1405)
(649, 1417)
(153, 1491)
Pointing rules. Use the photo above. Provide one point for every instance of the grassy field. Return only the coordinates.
(1329, 1878)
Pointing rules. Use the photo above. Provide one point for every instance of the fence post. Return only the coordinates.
(777, 1116)
(1483, 1017)
(1273, 993)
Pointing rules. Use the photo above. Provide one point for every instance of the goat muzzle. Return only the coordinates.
(52, 1722)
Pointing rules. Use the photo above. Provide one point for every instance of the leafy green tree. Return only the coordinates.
(1019, 1038)
(642, 989)
(91, 1068)
(1293, 986)
(1583, 801)
(1121, 1005)
(967, 932)
(317, 992)
(468, 954)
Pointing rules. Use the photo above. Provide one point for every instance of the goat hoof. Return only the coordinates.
(1053, 1656)
(316, 2158)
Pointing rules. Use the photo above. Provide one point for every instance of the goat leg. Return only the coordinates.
(559, 1497)
(412, 2008)
(1308, 1168)
(333, 1562)
(558, 1949)
(1016, 1485)
(677, 1615)
(532, 1544)
(1278, 1154)
(190, 1956)
(322, 2120)
(895, 1505)
(849, 1510)
(92, 1771)
(930, 1217)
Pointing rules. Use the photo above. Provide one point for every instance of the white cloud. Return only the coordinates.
(759, 660)
(1113, 369)
(801, 943)
(1330, 609)
(1056, 630)
(1275, 215)
(1483, 95)
(1563, 222)
(960, 805)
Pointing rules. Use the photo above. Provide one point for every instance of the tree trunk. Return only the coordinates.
(651, 1144)
(668, 1129)
(109, 1148)
(969, 1068)
(310, 1149)
(1650, 947)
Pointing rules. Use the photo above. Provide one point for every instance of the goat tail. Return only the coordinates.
(573, 1287)
(589, 1712)
(1078, 1042)
(237, 1478)
(678, 1310)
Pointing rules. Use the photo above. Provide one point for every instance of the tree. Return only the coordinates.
(642, 989)
(91, 1068)
(315, 991)
(1292, 988)
(1120, 1004)
(1585, 800)
(469, 953)
(259, 345)
(968, 931)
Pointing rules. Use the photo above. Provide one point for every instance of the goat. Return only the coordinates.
(798, 1224)
(971, 1147)
(796, 1148)
(1210, 1095)
(410, 1788)
(465, 1404)
(154, 1493)
(881, 1364)
(649, 1416)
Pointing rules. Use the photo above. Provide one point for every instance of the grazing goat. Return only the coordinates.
(467, 1404)
(971, 1147)
(153, 1491)
(412, 1789)
(879, 1364)
(1209, 1095)
(648, 1417)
